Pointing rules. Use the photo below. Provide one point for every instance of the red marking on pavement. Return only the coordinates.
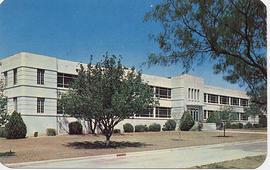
(121, 154)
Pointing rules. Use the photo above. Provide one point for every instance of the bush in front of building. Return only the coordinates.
(75, 128)
(16, 127)
(263, 121)
(128, 127)
(154, 127)
(186, 121)
(116, 131)
(35, 134)
(240, 125)
(3, 132)
(169, 125)
(51, 132)
(248, 125)
(255, 125)
(140, 128)
(234, 126)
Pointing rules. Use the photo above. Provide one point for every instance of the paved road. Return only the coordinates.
(169, 158)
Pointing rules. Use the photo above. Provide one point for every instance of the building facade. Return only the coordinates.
(33, 82)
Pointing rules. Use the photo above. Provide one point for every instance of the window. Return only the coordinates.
(204, 114)
(14, 76)
(6, 78)
(146, 113)
(204, 97)
(163, 92)
(235, 101)
(40, 76)
(224, 100)
(209, 113)
(212, 98)
(15, 103)
(191, 93)
(64, 80)
(195, 94)
(198, 94)
(163, 112)
(244, 102)
(40, 105)
(188, 93)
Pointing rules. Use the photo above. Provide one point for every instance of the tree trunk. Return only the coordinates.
(224, 129)
(107, 140)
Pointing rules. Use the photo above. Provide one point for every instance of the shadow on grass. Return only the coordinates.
(6, 154)
(221, 136)
(102, 145)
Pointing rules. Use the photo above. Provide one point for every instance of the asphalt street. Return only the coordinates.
(169, 158)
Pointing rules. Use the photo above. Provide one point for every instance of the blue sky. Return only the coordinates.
(74, 29)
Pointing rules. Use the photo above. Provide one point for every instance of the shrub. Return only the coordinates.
(51, 132)
(3, 132)
(248, 125)
(140, 128)
(75, 128)
(186, 121)
(35, 134)
(16, 127)
(234, 126)
(228, 125)
(128, 127)
(116, 130)
(146, 129)
(240, 125)
(154, 127)
(256, 125)
(169, 125)
(263, 121)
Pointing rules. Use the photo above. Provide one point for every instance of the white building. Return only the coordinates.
(33, 82)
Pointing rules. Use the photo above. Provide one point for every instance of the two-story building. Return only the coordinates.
(33, 82)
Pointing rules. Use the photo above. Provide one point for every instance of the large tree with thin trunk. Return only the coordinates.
(229, 33)
(107, 93)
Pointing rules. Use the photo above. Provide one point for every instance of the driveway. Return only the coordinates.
(169, 158)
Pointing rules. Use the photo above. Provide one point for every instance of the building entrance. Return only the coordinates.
(194, 111)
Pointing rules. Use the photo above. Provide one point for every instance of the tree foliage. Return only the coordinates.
(16, 127)
(107, 93)
(230, 33)
(3, 105)
(186, 122)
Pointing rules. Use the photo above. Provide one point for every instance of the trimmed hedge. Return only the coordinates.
(128, 127)
(169, 125)
(3, 132)
(248, 125)
(154, 127)
(116, 131)
(75, 128)
(186, 121)
(51, 132)
(16, 127)
(140, 128)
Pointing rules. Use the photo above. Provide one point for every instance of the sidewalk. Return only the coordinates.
(168, 158)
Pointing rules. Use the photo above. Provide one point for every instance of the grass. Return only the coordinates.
(250, 162)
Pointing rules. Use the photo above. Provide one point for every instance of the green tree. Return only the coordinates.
(107, 93)
(16, 127)
(229, 33)
(3, 105)
(186, 121)
(225, 116)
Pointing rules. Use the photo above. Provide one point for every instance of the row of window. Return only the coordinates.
(240, 116)
(212, 98)
(40, 104)
(193, 94)
(162, 92)
(64, 80)
(40, 76)
(163, 112)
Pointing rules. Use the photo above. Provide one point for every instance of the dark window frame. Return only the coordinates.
(163, 112)
(40, 76)
(40, 105)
